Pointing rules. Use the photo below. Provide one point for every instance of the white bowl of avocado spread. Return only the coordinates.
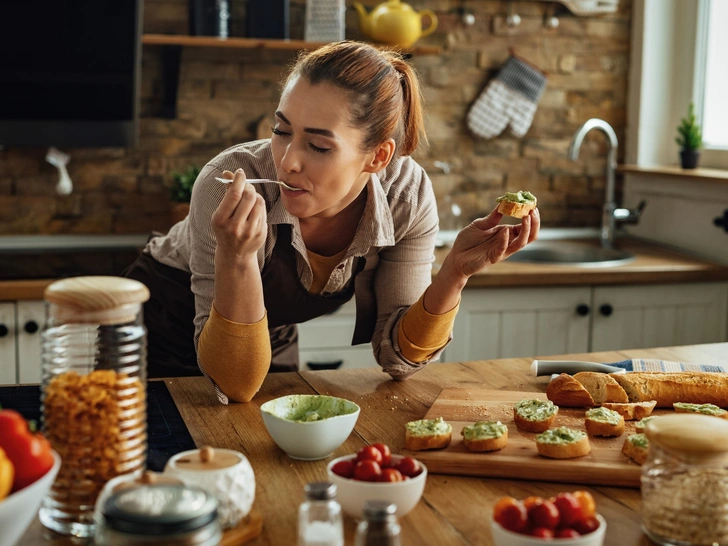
(309, 427)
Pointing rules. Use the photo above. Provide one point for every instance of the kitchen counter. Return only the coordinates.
(454, 510)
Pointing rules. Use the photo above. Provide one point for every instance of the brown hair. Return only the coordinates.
(384, 90)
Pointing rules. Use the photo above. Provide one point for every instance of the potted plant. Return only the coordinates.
(181, 192)
(690, 139)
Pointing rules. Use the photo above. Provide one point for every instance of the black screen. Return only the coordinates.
(68, 72)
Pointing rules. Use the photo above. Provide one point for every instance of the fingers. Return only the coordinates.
(523, 236)
(535, 225)
(246, 203)
(490, 221)
(233, 195)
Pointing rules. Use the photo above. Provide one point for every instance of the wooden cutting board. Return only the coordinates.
(605, 465)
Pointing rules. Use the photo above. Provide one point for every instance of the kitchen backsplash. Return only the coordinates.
(224, 94)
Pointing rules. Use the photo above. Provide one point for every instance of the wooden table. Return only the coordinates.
(454, 510)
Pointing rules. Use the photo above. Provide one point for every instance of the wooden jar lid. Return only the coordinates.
(689, 433)
(106, 299)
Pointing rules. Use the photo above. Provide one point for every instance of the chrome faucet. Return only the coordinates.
(610, 212)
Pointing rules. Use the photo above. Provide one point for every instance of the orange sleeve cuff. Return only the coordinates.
(422, 334)
(235, 355)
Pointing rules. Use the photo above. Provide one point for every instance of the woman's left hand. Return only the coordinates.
(484, 242)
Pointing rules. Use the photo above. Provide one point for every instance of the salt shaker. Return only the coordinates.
(319, 517)
(685, 480)
(93, 392)
(380, 526)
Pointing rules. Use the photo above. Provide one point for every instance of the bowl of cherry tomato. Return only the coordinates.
(568, 518)
(374, 473)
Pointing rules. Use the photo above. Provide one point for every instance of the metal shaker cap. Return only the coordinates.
(377, 510)
(320, 491)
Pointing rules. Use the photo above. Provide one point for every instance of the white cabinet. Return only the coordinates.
(20, 325)
(503, 323)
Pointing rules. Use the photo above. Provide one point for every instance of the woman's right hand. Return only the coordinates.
(239, 222)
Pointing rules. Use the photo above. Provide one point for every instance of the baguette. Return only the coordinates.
(666, 388)
(534, 415)
(704, 409)
(427, 434)
(640, 426)
(602, 387)
(636, 447)
(604, 422)
(516, 204)
(566, 391)
(563, 443)
(631, 411)
(485, 436)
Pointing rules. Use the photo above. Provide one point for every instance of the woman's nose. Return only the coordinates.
(291, 162)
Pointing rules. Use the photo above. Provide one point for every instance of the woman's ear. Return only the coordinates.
(381, 156)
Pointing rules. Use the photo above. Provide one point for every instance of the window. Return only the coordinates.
(712, 76)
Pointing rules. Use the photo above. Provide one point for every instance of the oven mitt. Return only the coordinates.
(511, 97)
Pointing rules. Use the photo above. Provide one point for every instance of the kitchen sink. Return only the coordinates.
(576, 254)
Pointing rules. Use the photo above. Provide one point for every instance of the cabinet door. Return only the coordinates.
(340, 358)
(631, 317)
(8, 371)
(503, 323)
(31, 315)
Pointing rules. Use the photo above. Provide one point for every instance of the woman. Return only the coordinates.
(262, 258)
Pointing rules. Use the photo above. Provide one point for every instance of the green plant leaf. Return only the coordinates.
(182, 182)
(690, 135)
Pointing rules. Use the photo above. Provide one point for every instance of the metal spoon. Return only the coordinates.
(259, 181)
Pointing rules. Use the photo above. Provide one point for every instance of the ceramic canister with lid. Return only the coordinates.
(93, 392)
(685, 480)
(225, 473)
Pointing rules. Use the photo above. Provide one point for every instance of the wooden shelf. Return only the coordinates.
(254, 43)
(715, 175)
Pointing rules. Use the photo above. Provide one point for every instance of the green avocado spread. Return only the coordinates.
(308, 408)
(604, 415)
(705, 409)
(484, 430)
(536, 410)
(642, 422)
(518, 197)
(561, 435)
(428, 427)
(639, 440)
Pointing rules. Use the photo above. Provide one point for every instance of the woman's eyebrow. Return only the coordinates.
(312, 130)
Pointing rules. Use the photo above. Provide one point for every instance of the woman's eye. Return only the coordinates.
(278, 132)
(319, 150)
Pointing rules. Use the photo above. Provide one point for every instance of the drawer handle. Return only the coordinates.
(722, 221)
(606, 310)
(582, 309)
(31, 327)
(333, 365)
(3, 330)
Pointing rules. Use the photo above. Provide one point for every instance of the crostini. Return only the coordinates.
(604, 422)
(640, 425)
(533, 415)
(516, 204)
(427, 434)
(563, 443)
(636, 448)
(704, 409)
(485, 436)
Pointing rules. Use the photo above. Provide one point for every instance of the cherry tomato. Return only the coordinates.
(369, 453)
(386, 454)
(409, 467)
(345, 469)
(29, 451)
(542, 532)
(510, 514)
(586, 526)
(367, 471)
(543, 514)
(567, 532)
(530, 501)
(588, 506)
(390, 475)
(569, 509)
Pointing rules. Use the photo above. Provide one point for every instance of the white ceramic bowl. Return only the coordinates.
(503, 537)
(352, 494)
(19, 509)
(309, 440)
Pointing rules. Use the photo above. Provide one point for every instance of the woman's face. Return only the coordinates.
(315, 149)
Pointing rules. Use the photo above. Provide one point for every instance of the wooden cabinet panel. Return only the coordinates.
(30, 318)
(8, 359)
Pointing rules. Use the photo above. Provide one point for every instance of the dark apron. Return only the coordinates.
(169, 314)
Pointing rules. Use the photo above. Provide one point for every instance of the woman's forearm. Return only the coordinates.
(238, 290)
(444, 292)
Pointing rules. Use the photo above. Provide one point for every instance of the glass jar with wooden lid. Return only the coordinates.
(93, 392)
(685, 480)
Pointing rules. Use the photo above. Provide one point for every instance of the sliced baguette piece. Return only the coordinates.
(631, 411)
(563, 443)
(636, 447)
(533, 415)
(427, 434)
(639, 427)
(602, 387)
(703, 409)
(566, 391)
(516, 210)
(604, 422)
(666, 388)
(485, 436)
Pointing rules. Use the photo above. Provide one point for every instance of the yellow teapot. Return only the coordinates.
(394, 23)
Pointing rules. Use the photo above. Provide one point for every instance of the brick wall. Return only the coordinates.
(223, 94)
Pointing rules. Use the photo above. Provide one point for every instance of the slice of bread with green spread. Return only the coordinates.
(636, 447)
(533, 415)
(704, 409)
(485, 436)
(563, 443)
(516, 204)
(427, 434)
(640, 425)
(604, 422)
